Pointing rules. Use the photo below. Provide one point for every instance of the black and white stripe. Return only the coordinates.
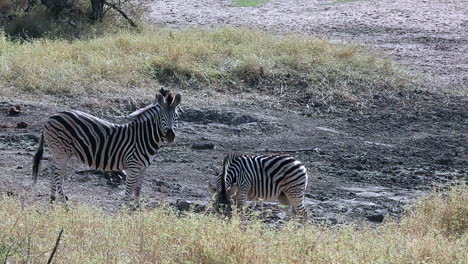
(106, 146)
(266, 177)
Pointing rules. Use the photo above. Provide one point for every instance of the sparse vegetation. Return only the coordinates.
(226, 58)
(247, 3)
(435, 231)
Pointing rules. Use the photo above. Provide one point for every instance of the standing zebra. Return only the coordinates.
(266, 177)
(106, 146)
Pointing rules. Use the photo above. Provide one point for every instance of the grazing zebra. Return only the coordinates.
(106, 146)
(266, 177)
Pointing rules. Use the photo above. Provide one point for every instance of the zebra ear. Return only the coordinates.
(176, 100)
(159, 99)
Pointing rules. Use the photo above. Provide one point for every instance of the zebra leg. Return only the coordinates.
(242, 197)
(138, 187)
(57, 172)
(296, 199)
(283, 200)
(133, 175)
(53, 185)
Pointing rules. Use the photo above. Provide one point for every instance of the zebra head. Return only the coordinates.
(222, 203)
(168, 103)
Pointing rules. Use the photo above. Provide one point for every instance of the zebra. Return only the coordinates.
(266, 177)
(102, 145)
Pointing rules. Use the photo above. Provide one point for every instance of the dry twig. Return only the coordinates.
(55, 247)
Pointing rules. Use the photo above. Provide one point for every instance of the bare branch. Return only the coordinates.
(115, 7)
(55, 247)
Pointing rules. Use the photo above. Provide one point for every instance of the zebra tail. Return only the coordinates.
(223, 198)
(37, 158)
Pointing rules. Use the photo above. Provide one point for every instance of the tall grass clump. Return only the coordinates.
(440, 213)
(434, 231)
(230, 59)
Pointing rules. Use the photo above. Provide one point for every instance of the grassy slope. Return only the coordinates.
(435, 232)
(226, 58)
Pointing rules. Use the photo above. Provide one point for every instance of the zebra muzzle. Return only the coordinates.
(170, 135)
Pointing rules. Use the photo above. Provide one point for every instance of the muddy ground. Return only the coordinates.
(364, 164)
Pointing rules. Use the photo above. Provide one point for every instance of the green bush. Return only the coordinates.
(70, 23)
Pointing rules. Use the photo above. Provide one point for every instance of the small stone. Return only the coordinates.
(6, 125)
(159, 183)
(200, 208)
(22, 124)
(203, 146)
(444, 161)
(19, 167)
(183, 205)
(376, 218)
(14, 110)
(359, 167)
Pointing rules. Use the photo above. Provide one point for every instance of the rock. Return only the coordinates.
(159, 183)
(14, 110)
(444, 161)
(183, 205)
(19, 167)
(199, 208)
(203, 146)
(6, 125)
(376, 218)
(358, 167)
(22, 124)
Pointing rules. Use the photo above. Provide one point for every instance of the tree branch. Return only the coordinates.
(115, 7)
(55, 247)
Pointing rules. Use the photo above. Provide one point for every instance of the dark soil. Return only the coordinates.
(363, 165)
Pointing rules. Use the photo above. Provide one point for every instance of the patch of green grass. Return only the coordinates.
(343, 1)
(247, 3)
(229, 59)
(434, 231)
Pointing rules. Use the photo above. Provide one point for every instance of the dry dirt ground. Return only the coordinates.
(427, 36)
(364, 165)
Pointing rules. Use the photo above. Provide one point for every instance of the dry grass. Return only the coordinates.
(435, 231)
(222, 59)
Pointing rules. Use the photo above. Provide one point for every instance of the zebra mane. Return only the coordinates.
(139, 112)
(229, 157)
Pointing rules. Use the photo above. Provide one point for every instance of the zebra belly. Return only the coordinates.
(252, 196)
(100, 162)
